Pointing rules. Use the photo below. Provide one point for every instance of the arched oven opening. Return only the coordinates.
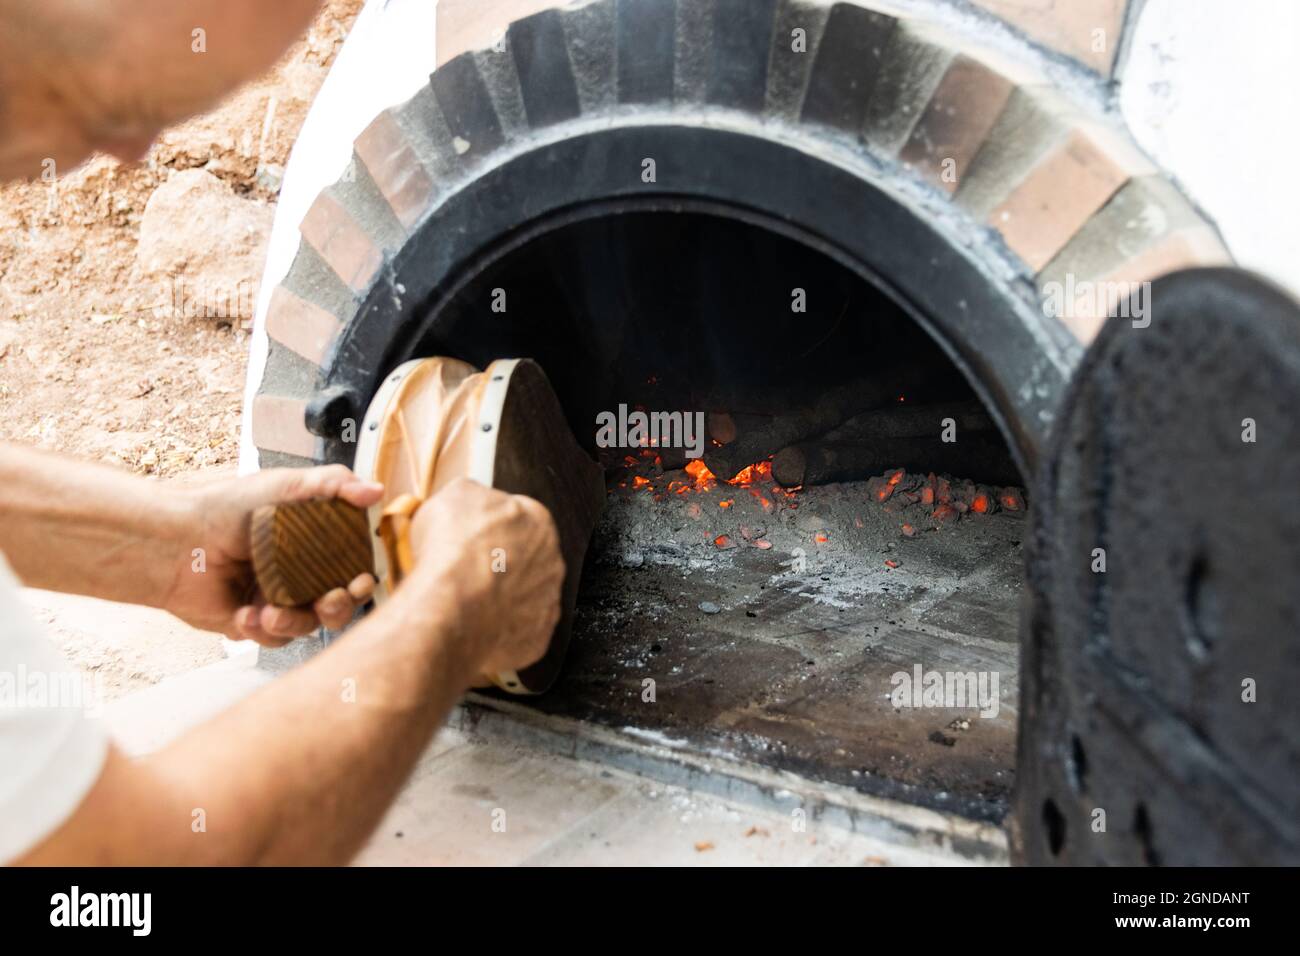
(813, 523)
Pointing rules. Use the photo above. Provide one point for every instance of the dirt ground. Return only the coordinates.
(102, 352)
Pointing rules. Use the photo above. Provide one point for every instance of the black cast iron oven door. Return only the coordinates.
(1159, 650)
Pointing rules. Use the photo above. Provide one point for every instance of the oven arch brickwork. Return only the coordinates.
(1024, 181)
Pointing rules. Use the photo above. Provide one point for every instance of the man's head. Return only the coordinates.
(85, 76)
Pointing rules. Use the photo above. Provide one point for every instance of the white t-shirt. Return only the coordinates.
(52, 747)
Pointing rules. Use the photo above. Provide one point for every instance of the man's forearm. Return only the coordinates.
(301, 772)
(70, 525)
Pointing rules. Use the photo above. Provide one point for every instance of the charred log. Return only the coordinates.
(758, 437)
(981, 456)
(906, 420)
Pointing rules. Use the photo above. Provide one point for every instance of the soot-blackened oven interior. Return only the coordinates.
(856, 514)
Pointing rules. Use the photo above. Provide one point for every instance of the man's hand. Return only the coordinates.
(493, 560)
(223, 596)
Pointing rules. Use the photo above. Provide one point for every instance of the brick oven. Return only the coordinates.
(866, 246)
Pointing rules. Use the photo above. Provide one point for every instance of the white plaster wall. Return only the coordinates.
(1212, 90)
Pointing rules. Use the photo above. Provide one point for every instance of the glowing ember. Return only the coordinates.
(891, 564)
(700, 473)
(880, 489)
(759, 471)
(745, 478)
(981, 504)
(821, 537)
(722, 541)
(701, 479)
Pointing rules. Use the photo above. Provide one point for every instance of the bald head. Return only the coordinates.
(84, 76)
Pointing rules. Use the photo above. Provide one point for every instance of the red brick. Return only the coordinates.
(330, 229)
(392, 163)
(278, 425)
(956, 121)
(301, 326)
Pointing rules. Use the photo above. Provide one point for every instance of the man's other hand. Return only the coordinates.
(493, 561)
(224, 596)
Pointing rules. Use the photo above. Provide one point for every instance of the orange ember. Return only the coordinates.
(722, 541)
(981, 504)
(891, 564)
(726, 504)
(759, 471)
(744, 478)
(943, 513)
(821, 537)
(699, 471)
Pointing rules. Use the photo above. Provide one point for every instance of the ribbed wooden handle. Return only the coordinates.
(305, 549)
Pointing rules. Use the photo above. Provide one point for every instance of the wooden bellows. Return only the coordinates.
(432, 421)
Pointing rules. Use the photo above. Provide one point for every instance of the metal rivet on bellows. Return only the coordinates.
(487, 426)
